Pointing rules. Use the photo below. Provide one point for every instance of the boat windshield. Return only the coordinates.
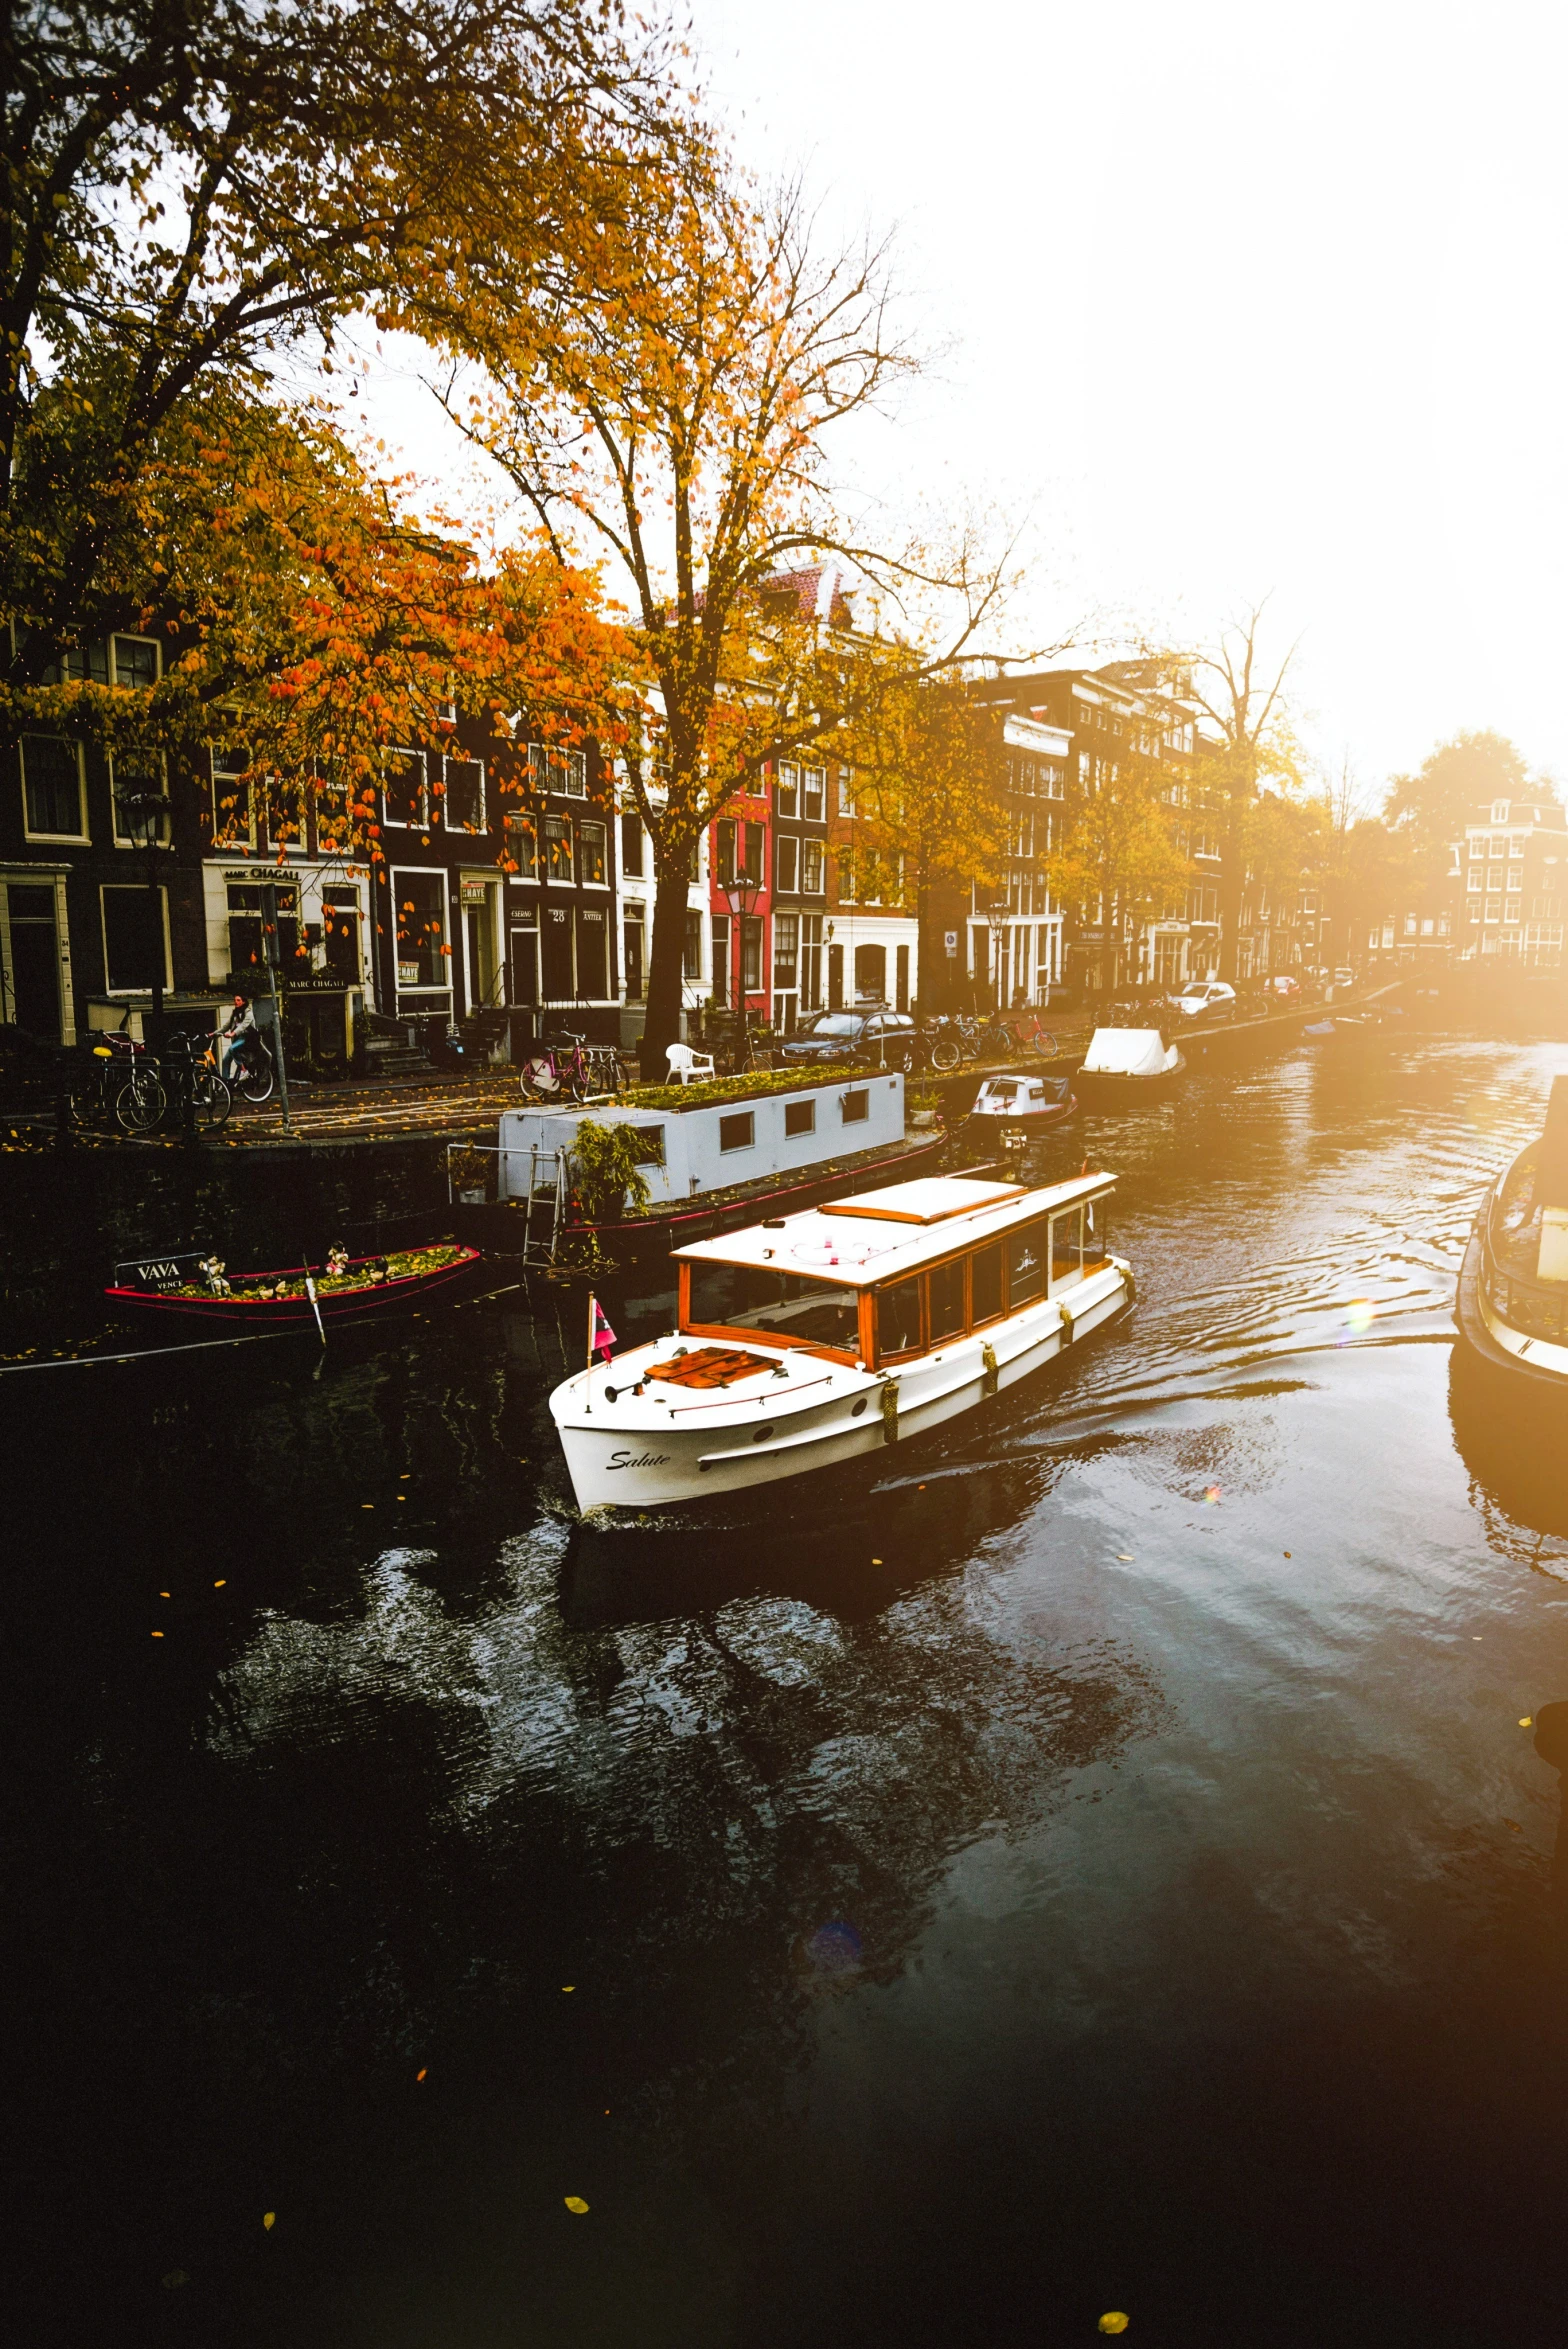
(782, 1304)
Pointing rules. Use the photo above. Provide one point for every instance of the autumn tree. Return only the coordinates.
(1465, 773)
(1119, 858)
(1247, 741)
(669, 401)
(192, 190)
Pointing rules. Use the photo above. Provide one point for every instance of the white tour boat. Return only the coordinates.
(810, 1339)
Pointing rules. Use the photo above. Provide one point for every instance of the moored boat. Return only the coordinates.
(1126, 1065)
(1022, 1105)
(1512, 1300)
(344, 1288)
(813, 1339)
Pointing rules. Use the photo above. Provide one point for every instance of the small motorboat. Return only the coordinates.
(1512, 1299)
(343, 1288)
(1024, 1106)
(1126, 1065)
(809, 1340)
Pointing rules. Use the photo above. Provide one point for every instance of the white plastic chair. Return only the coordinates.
(691, 1067)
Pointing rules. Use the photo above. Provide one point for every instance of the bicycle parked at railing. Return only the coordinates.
(573, 1071)
(117, 1083)
(190, 1072)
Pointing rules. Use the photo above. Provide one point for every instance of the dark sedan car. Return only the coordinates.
(850, 1035)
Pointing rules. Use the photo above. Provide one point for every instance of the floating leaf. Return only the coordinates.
(1527, 1723)
(221, 1581)
(1113, 2321)
(420, 2074)
(157, 1635)
(576, 2204)
(269, 2219)
(565, 1986)
(1124, 1557)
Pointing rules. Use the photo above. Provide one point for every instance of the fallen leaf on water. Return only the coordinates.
(222, 1579)
(1527, 1723)
(1285, 1553)
(565, 1986)
(1124, 1557)
(163, 1594)
(1513, 1826)
(269, 2219)
(1114, 2321)
(157, 1635)
(876, 1561)
(420, 2075)
(174, 2279)
(575, 2202)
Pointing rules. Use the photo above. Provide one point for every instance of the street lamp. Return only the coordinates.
(145, 813)
(742, 894)
(996, 920)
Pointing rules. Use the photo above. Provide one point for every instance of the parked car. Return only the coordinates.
(1283, 986)
(850, 1035)
(1344, 976)
(1211, 999)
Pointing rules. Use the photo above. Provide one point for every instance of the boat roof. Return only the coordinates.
(881, 1234)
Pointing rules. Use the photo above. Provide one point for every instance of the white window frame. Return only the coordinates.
(814, 781)
(424, 986)
(1500, 811)
(813, 856)
(125, 636)
(472, 830)
(786, 863)
(104, 888)
(161, 773)
(786, 780)
(846, 792)
(245, 835)
(568, 879)
(406, 750)
(80, 838)
(591, 824)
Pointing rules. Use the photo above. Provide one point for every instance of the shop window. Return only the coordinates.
(54, 803)
(556, 933)
(247, 942)
(898, 1318)
(340, 915)
(423, 957)
(593, 953)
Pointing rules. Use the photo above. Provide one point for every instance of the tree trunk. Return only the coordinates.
(663, 1025)
(1230, 892)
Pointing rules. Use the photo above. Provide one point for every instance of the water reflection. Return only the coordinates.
(1512, 1436)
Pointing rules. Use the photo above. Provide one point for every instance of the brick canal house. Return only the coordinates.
(1509, 887)
(488, 909)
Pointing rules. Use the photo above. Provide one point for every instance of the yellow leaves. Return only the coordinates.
(576, 2205)
(1528, 1722)
(269, 2219)
(1114, 2321)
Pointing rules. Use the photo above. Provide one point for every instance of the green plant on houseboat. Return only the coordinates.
(607, 1163)
(742, 1088)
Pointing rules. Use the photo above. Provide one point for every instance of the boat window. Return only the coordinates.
(1096, 1231)
(1026, 1266)
(754, 1297)
(898, 1318)
(986, 1283)
(945, 1301)
(1066, 1247)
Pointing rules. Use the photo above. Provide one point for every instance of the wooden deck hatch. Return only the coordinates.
(933, 1200)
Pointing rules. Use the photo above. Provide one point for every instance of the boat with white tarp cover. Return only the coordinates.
(808, 1340)
(1123, 1065)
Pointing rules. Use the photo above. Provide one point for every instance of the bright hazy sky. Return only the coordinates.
(1236, 299)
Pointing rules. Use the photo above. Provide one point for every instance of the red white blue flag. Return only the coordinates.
(600, 1335)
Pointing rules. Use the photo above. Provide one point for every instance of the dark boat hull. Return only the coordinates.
(1472, 1324)
(1108, 1091)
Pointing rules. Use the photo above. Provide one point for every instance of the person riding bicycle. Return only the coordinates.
(236, 1036)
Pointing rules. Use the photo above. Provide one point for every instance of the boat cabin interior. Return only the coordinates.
(959, 1286)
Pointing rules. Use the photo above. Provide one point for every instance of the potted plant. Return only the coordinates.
(923, 1109)
(607, 1166)
(466, 1173)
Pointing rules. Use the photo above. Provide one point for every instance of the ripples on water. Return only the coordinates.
(1090, 1859)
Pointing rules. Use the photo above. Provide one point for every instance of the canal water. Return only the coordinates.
(1095, 1862)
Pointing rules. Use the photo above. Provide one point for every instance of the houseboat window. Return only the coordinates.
(800, 1117)
(1066, 1247)
(738, 1132)
(898, 1318)
(986, 1283)
(1026, 1266)
(945, 1300)
(784, 1304)
(855, 1107)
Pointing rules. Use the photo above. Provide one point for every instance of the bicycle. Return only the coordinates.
(1036, 1039)
(554, 1074)
(119, 1082)
(254, 1074)
(196, 1078)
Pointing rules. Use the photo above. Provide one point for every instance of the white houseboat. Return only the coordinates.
(1512, 1300)
(808, 1340)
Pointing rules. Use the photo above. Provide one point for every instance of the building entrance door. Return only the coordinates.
(32, 980)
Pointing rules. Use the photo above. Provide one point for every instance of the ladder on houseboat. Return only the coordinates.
(544, 1210)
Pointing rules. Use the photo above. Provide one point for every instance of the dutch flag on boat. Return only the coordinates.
(600, 1335)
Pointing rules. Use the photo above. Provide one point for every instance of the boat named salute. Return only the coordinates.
(811, 1339)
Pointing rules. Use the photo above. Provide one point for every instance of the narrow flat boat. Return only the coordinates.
(1512, 1300)
(813, 1339)
(1021, 1105)
(1126, 1065)
(359, 1288)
